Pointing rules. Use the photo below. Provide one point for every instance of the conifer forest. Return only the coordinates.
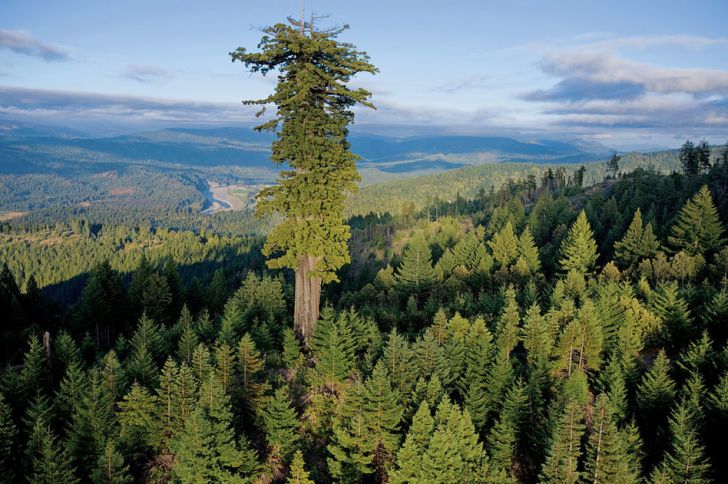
(515, 321)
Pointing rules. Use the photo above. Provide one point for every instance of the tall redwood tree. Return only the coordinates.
(314, 105)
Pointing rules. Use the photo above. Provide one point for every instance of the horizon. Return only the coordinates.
(652, 79)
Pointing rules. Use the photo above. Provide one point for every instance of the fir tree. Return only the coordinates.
(697, 229)
(415, 274)
(188, 341)
(34, 375)
(291, 356)
(638, 242)
(333, 347)
(504, 437)
(110, 467)
(8, 440)
(280, 423)
(606, 453)
(299, 475)
(206, 451)
(140, 426)
(249, 368)
(685, 462)
(53, 464)
(504, 246)
(408, 462)
(579, 250)
(314, 109)
(655, 396)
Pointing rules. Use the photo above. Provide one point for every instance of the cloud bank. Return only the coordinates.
(23, 43)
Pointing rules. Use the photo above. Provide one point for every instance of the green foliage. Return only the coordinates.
(579, 250)
(53, 464)
(638, 242)
(280, 424)
(8, 437)
(299, 475)
(207, 450)
(313, 111)
(415, 275)
(685, 462)
(697, 229)
(333, 346)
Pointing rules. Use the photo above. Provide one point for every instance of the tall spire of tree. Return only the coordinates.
(579, 250)
(698, 228)
(313, 112)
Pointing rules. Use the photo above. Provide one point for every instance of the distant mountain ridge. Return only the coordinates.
(41, 149)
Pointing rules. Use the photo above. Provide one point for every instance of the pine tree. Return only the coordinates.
(206, 451)
(224, 363)
(231, 323)
(201, 366)
(140, 425)
(299, 475)
(8, 439)
(291, 356)
(697, 229)
(504, 246)
(606, 453)
(638, 242)
(366, 432)
(280, 423)
(398, 358)
(454, 453)
(685, 462)
(249, 368)
(34, 375)
(110, 468)
(408, 461)
(579, 250)
(528, 251)
(655, 396)
(112, 375)
(93, 423)
(689, 158)
(562, 461)
(313, 111)
(504, 437)
(415, 274)
(188, 341)
(333, 347)
(53, 464)
(612, 166)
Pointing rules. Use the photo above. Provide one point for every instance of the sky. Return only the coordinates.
(628, 74)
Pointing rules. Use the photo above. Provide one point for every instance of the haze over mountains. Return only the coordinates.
(39, 149)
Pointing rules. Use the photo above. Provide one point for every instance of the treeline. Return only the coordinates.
(555, 334)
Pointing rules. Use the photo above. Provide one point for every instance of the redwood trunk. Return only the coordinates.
(308, 297)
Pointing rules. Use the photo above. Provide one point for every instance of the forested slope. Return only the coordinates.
(540, 332)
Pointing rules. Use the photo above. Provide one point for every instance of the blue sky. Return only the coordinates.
(633, 73)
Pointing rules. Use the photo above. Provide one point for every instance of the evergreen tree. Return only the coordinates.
(504, 246)
(685, 462)
(366, 433)
(110, 468)
(280, 423)
(333, 347)
(415, 274)
(292, 356)
(606, 453)
(612, 167)
(408, 462)
(579, 250)
(249, 368)
(299, 475)
(188, 341)
(53, 464)
(8, 440)
(638, 242)
(504, 437)
(314, 109)
(34, 375)
(655, 396)
(689, 158)
(697, 229)
(140, 426)
(206, 451)
(562, 461)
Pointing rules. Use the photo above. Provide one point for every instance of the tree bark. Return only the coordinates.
(308, 296)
